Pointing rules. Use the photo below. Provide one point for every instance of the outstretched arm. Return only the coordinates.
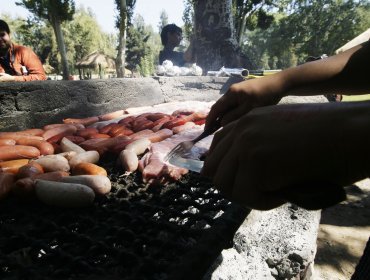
(344, 73)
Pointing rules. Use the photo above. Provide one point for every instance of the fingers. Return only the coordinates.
(236, 113)
(222, 141)
(226, 103)
(226, 172)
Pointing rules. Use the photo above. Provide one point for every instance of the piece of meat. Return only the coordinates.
(152, 165)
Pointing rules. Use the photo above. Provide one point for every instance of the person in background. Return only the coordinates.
(266, 155)
(171, 37)
(17, 63)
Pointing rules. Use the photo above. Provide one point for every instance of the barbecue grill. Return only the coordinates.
(137, 231)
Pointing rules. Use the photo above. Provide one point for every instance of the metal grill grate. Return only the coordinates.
(135, 232)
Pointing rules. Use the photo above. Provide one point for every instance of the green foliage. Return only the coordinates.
(130, 5)
(252, 14)
(46, 9)
(140, 54)
(188, 18)
(83, 36)
(163, 20)
(307, 28)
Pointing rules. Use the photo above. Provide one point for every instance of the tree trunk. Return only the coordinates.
(215, 44)
(61, 46)
(121, 54)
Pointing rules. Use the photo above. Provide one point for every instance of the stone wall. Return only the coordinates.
(35, 104)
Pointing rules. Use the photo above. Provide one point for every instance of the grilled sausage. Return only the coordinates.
(12, 166)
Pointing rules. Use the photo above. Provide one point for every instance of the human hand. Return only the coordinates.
(282, 153)
(6, 77)
(244, 96)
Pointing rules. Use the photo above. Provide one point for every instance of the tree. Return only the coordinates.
(188, 18)
(55, 12)
(163, 20)
(214, 41)
(250, 15)
(83, 36)
(307, 28)
(125, 9)
(140, 55)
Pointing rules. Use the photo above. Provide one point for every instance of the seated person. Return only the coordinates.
(17, 63)
(171, 37)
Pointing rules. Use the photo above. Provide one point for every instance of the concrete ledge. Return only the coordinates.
(270, 245)
(35, 104)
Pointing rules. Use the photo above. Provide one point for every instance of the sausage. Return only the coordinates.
(175, 122)
(56, 147)
(141, 124)
(64, 194)
(111, 116)
(160, 135)
(12, 166)
(29, 170)
(141, 134)
(85, 121)
(99, 135)
(53, 163)
(121, 145)
(65, 130)
(197, 116)
(33, 131)
(100, 184)
(7, 142)
(102, 145)
(156, 116)
(25, 187)
(54, 125)
(157, 125)
(68, 146)
(129, 160)
(43, 146)
(122, 131)
(119, 128)
(105, 129)
(127, 121)
(87, 132)
(86, 168)
(89, 156)
(17, 135)
(75, 139)
(18, 152)
(6, 184)
(67, 155)
(139, 146)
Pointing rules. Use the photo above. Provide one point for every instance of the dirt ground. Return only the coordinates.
(344, 231)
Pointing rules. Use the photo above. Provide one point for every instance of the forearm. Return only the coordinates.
(343, 73)
(30, 77)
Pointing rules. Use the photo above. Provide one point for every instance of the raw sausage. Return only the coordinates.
(86, 168)
(44, 147)
(18, 152)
